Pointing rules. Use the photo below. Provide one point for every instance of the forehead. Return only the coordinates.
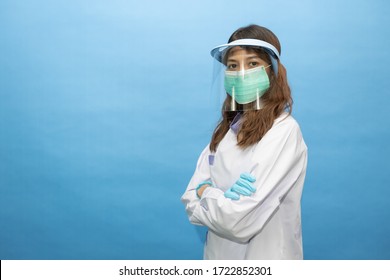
(241, 53)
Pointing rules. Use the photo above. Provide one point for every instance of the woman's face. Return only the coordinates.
(240, 59)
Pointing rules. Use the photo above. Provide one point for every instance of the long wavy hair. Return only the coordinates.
(277, 99)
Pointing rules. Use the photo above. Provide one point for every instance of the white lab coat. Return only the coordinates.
(267, 224)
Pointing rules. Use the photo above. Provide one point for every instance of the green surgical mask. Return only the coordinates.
(248, 85)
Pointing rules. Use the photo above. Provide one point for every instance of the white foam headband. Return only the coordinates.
(271, 50)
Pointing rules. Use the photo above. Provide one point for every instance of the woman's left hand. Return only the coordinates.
(201, 187)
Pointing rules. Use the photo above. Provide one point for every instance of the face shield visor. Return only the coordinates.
(240, 76)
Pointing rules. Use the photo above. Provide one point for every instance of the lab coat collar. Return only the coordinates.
(236, 123)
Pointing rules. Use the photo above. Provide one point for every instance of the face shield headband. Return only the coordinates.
(219, 51)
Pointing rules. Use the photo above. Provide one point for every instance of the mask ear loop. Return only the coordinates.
(274, 63)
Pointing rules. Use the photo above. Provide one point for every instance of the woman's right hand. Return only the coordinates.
(243, 186)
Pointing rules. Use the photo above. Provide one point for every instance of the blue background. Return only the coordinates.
(105, 107)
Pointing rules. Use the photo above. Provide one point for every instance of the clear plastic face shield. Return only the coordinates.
(241, 77)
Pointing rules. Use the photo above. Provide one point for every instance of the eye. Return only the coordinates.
(253, 64)
(232, 66)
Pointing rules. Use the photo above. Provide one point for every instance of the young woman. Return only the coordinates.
(248, 182)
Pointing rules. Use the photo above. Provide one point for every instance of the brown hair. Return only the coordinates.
(277, 99)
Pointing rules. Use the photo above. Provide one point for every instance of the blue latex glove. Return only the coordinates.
(243, 186)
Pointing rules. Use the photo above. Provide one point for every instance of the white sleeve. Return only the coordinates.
(280, 160)
(202, 173)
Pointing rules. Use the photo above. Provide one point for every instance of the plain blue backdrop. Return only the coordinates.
(105, 107)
